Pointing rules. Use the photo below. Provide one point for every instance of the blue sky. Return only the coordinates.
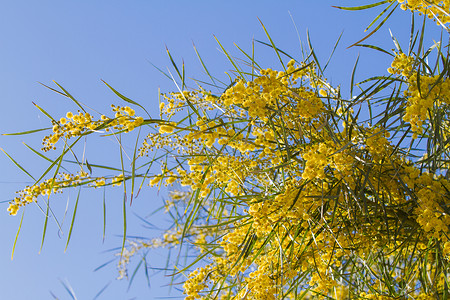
(78, 43)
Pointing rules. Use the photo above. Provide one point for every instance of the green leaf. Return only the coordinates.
(375, 48)
(38, 153)
(134, 273)
(68, 95)
(125, 98)
(48, 204)
(332, 52)
(230, 59)
(44, 231)
(17, 164)
(352, 81)
(44, 112)
(124, 209)
(101, 291)
(73, 219)
(378, 27)
(273, 45)
(176, 68)
(104, 215)
(133, 167)
(17, 235)
(89, 167)
(203, 64)
(27, 132)
(276, 49)
(362, 7)
(69, 290)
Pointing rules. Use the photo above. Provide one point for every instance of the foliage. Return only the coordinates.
(283, 187)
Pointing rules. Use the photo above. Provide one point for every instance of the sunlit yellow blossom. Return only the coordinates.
(166, 129)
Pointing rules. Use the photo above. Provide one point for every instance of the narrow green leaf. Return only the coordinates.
(67, 94)
(44, 231)
(17, 235)
(375, 30)
(56, 91)
(362, 7)
(352, 81)
(101, 291)
(125, 98)
(396, 43)
(230, 59)
(27, 132)
(185, 98)
(48, 204)
(89, 167)
(375, 48)
(312, 52)
(162, 72)
(73, 219)
(17, 164)
(183, 77)
(44, 112)
(332, 52)
(105, 264)
(277, 49)
(53, 295)
(146, 270)
(273, 45)
(134, 274)
(38, 153)
(380, 15)
(254, 63)
(175, 66)
(203, 64)
(56, 160)
(94, 165)
(104, 214)
(69, 290)
(133, 167)
(124, 208)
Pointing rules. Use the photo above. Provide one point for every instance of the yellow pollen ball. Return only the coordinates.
(323, 93)
(166, 128)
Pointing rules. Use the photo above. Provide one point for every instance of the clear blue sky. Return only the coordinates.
(77, 43)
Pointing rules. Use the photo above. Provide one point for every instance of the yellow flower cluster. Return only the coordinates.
(196, 283)
(272, 90)
(117, 181)
(421, 98)
(253, 100)
(437, 10)
(377, 143)
(402, 64)
(99, 181)
(71, 125)
(124, 119)
(82, 123)
(423, 94)
(45, 188)
(316, 159)
(175, 102)
(431, 214)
